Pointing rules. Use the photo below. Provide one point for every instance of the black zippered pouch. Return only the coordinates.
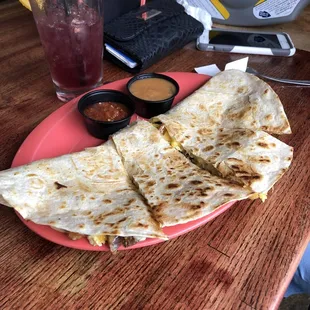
(150, 33)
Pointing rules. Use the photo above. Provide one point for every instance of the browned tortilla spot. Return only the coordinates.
(218, 184)
(228, 195)
(223, 135)
(265, 160)
(107, 201)
(289, 158)
(177, 199)
(251, 177)
(235, 143)
(266, 91)
(268, 117)
(31, 175)
(264, 128)
(183, 177)
(151, 183)
(232, 159)
(195, 182)
(122, 220)
(81, 225)
(220, 144)
(263, 144)
(142, 225)
(59, 186)
(195, 207)
(159, 207)
(144, 176)
(208, 188)
(92, 198)
(52, 223)
(272, 144)
(173, 185)
(62, 207)
(208, 148)
(204, 131)
(235, 167)
(74, 214)
(241, 90)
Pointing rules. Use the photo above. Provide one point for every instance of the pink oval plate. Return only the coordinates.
(64, 132)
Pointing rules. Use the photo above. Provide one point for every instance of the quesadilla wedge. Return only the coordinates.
(252, 159)
(176, 189)
(232, 99)
(87, 193)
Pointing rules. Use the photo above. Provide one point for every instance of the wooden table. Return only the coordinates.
(244, 259)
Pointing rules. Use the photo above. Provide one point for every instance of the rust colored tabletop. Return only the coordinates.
(243, 259)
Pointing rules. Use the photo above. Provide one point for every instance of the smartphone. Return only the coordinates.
(245, 42)
(121, 56)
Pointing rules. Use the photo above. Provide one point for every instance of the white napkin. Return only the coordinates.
(240, 64)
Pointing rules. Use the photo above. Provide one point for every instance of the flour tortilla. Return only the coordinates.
(177, 190)
(232, 99)
(88, 193)
(253, 159)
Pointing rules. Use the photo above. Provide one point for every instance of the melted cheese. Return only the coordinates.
(97, 240)
(262, 196)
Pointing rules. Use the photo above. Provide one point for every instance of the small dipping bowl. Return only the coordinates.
(148, 107)
(102, 129)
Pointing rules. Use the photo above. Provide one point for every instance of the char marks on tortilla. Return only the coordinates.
(88, 193)
(232, 99)
(176, 189)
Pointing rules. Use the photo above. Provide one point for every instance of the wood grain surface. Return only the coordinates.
(244, 259)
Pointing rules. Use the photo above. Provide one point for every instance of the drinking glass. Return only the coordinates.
(71, 32)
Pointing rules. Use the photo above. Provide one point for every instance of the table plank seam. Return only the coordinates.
(218, 250)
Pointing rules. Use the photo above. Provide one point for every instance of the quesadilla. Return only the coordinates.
(87, 193)
(176, 189)
(252, 159)
(232, 99)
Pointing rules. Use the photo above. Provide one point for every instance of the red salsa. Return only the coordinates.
(107, 111)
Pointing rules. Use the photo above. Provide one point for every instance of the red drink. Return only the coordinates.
(72, 38)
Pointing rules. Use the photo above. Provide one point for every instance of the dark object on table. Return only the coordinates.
(147, 40)
(150, 108)
(102, 129)
(116, 8)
